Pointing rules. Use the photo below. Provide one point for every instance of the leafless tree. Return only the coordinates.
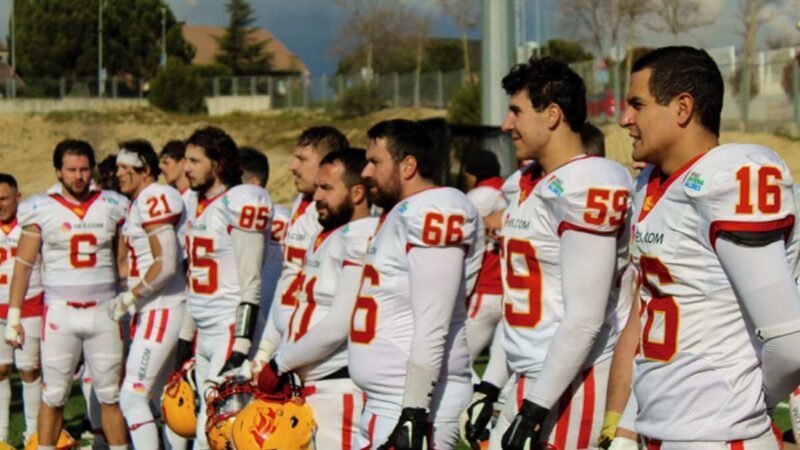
(679, 16)
(604, 24)
(465, 14)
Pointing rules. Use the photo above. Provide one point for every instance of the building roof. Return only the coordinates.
(203, 39)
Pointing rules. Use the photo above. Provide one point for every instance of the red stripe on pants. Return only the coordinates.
(44, 322)
(477, 306)
(347, 422)
(520, 391)
(737, 445)
(653, 444)
(163, 328)
(230, 344)
(151, 318)
(134, 324)
(585, 432)
(562, 427)
(370, 432)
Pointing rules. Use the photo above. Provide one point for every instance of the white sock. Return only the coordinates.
(5, 408)
(31, 398)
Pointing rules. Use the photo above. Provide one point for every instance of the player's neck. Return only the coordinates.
(216, 189)
(415, 185)
(559, 151)
(182, 184)
(685, 150)
(142, 187)
(76, 198)
(360, 211)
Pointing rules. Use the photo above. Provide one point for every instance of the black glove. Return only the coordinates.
(410, 433)
(526, 427)
(479, 412)
(183, 352)
(234, 362)
(605, 442)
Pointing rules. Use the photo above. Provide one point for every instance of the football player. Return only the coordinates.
(75, 231)
(562, 232)
(27, 358)
(482, 172)
(407, 345)
(255, 171)
(156, 284)
(226, 239)
(715, 245)
(171, 160)
(312, 145)
(315, 346)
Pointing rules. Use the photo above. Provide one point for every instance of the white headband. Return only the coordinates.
(129, 158)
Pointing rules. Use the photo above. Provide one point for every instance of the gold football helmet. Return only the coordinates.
(65, 442)
(224, 402)
(180, 402)
(271, 423)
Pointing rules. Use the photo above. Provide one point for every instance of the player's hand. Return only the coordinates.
(183, 352)
(234, 362)
(269, 379)
(478, 413)
(120, 305)
(15, 335)
(524, 431)
(410, 433)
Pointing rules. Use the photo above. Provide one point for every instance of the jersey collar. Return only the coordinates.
(305, 202)
(492, 182)
(203, 203)
(79, 209)
(8, 227)
(656, 188)
(322, 236)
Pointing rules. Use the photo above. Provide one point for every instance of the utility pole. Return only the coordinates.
(163, 35)
(13, 93)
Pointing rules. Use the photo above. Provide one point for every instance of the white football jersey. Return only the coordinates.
(328, 253)
(588, 194)
(77, 244)
(273, 257)
(9, 237)
(280, 223)
(180, 229)
(156, 204)
(698, 376)
(213, 266)
(303, 226)
(382, 325)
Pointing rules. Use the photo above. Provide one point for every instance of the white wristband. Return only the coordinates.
(14, 315)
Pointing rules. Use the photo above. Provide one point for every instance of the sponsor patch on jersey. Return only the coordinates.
(403, 207)
(111, 200)
(138, 387)
(66, 227)
(694, 182)
(555, 185)
(346, 229)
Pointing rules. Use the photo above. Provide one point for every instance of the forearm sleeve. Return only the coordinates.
(435, 280)
(188, 327)
(164, 247)
(587, 273)
(764, 286)
(328, 334)
(270, 338)
(249, 250)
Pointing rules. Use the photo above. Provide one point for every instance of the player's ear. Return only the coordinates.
(684, 108)
(554, 116)
(358, 193)
(408, 167)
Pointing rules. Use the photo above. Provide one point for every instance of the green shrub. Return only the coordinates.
(177, 88)
(465, 105)
(358, 100)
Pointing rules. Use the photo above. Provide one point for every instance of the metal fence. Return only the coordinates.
(774, 95)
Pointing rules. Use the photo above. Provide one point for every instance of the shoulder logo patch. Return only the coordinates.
(694, 181)
(403, 207)
(555, 185)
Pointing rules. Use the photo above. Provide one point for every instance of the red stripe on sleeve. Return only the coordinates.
(520, 391)
(587, 418)
(348, 262)
(786, 224)
(169, 219)
(567, 226)
(347, 422)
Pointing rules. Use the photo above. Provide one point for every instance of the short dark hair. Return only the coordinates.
(482, 164)
(680, 69)
(174, 150)
(145, 152)
(324, 139)
(6, 178)
(219, 147)
(406, 138)
(72, 147)
(106, 174)
(254, 164)
(593, 140)
(548, 81)
(353, 160)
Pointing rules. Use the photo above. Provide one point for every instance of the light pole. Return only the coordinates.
(163, 35)
(100, 71)
(13, 93)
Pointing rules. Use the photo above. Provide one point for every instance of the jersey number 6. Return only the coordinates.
(439, 229)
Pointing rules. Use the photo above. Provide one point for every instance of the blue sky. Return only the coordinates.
(309, 27)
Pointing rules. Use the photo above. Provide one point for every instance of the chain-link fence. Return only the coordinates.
(773, 97)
